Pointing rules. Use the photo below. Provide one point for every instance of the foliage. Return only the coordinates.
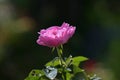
(62, 68)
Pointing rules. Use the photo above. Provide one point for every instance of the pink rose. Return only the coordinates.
(55, 35)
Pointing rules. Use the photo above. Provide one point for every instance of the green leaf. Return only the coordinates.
(68, 61)
(36, 72)
(68, 76)
(77, 60)
(54, 62)
(35, 75)
(76, 69)
(50, 63)
(44, 78)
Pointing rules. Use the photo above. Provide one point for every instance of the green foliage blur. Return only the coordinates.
(56, 71)
(97, 36)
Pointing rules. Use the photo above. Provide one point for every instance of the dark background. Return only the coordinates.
(97, 35)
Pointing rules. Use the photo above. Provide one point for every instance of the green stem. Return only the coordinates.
(60, 56)
(62, 63)
(64, 74)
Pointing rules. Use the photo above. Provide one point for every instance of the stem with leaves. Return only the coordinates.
(61, 60)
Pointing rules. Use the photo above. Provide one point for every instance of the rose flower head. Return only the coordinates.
(55, 35)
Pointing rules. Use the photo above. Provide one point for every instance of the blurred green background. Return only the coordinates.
(97, 36)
